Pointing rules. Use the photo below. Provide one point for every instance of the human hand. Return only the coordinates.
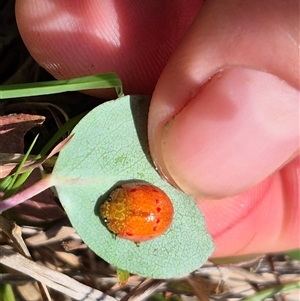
(231, 141)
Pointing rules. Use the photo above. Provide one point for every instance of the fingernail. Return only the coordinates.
(241, 127)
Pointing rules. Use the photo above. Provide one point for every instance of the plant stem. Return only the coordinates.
(26, 194)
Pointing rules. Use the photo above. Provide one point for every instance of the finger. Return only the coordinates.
(219, 139)
(263, 219)
(132, 38)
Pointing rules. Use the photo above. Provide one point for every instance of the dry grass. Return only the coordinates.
(69, 268)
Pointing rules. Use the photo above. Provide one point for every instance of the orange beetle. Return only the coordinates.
(137, 212)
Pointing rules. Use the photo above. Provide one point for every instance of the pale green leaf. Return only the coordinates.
(110, 146)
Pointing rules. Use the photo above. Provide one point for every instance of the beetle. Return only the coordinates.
(137, 211)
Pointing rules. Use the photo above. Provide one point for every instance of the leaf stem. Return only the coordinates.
(26, 194)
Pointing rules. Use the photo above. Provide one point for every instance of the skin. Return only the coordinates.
(224, 116)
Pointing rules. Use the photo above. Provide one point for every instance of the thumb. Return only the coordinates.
(221, 138)
(263, 219)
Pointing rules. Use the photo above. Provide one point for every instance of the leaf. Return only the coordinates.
(13, 128)
(110, 146)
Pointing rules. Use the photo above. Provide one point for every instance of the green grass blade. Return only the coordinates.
(66, 127)
(4, 183)
(15, 184)
(100, 81)
(270, 292)
(12, 187)
(6, 293)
